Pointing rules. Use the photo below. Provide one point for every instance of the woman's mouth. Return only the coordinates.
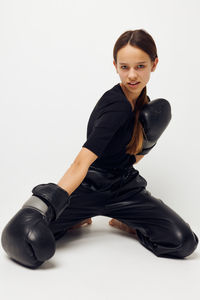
(133, 84)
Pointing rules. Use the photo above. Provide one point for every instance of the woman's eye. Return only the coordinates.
(138, 66)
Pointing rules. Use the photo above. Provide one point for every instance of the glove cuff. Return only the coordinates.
(52, 195)
(41, 206)
(146, 150)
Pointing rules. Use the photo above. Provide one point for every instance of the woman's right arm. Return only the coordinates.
(77, 171)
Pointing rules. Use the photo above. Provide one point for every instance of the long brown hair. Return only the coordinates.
(143, 40)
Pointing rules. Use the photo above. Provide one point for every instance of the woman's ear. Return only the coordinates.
(114, 63)
(154, 64)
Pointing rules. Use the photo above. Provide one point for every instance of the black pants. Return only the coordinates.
(123, 196)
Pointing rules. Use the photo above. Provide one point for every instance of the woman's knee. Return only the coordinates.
(185, 239)
(180, 234)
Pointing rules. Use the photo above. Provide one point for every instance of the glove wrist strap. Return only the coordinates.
(50, 199)
(41, 206)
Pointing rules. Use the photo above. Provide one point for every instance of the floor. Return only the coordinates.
(103, 263)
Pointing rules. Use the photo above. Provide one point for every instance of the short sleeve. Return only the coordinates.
(106, 125)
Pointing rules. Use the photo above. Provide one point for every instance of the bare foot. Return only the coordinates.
(83, 223)
(118, 224)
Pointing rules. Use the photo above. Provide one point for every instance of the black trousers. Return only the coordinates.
(123, 196)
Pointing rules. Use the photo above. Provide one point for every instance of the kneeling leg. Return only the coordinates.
(159, 228)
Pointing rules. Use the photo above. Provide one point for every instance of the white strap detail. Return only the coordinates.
(35, 202)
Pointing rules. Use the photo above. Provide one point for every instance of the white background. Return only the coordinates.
(55, 63)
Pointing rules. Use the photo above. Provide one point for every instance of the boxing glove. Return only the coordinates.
(27, 238)
(154, 117)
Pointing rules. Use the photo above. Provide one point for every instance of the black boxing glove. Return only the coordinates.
(154, 117)
(27, 238)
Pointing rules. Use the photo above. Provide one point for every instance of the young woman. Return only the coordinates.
(123, 127)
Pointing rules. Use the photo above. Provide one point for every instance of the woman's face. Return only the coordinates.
(134, 66)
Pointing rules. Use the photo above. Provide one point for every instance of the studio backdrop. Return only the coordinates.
(56, 62)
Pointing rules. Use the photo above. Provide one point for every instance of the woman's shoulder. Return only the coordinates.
(115, 98)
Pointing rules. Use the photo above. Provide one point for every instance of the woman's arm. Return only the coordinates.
(77, 171)
(79, 168)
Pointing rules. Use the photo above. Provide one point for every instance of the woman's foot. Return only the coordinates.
(118, 224)
(83, 223)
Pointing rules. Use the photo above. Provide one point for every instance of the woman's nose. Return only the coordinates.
(132, 75)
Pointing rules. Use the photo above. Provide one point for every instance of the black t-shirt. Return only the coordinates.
(109, 130)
